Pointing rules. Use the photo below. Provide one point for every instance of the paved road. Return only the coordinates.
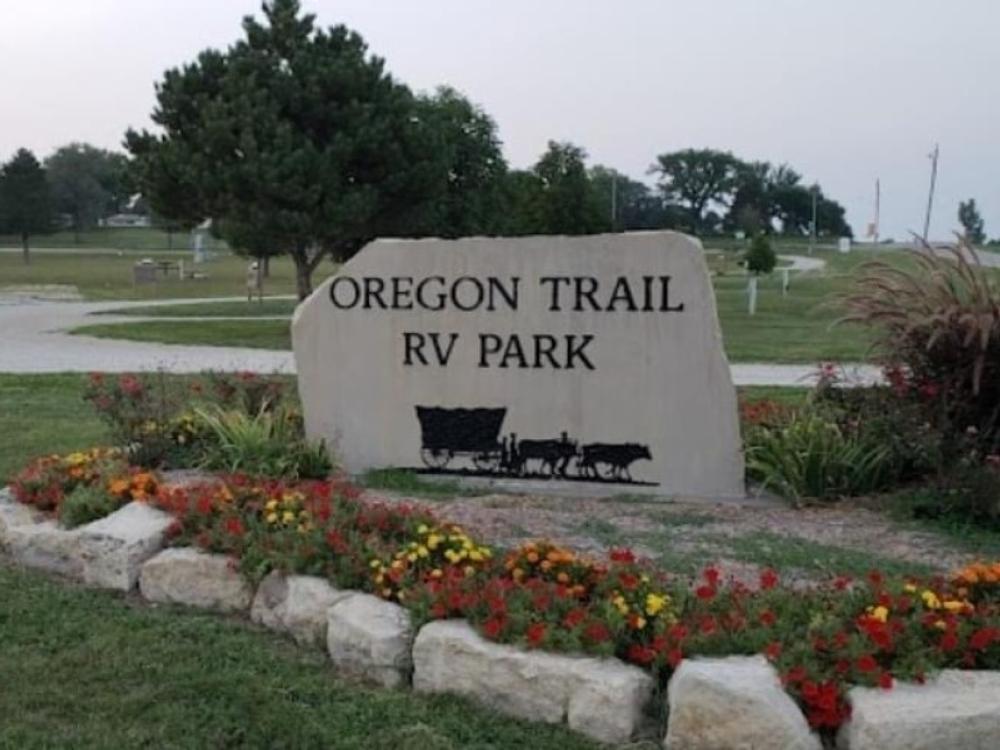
(34, 338)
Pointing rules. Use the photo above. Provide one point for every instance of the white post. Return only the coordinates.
(752, 294)
(784, 282)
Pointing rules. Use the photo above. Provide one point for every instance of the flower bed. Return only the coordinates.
(822, 640)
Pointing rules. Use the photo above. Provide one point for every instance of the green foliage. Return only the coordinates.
(696, 178)
(937, 328)
(86, 503)
(812, 457)
(25, 199)
(296, 140)
(971, 221)
(405, 482)
(87, 183)
(265, 443)
(760, 258)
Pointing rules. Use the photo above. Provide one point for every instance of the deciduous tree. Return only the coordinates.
(25, 201)
(87, 183)
(696, 178)
(971, 221)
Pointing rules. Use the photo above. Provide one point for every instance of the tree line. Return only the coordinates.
(296, 140)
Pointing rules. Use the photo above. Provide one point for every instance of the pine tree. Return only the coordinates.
(25, 201)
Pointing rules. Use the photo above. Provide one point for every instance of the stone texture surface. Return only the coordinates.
(370, 637)
(13, 514)
(46, 546)
(113, 549)
(659, 377)
(955, 710)
(188, 576)
(602, 698)
(296, 605)
(736, 702)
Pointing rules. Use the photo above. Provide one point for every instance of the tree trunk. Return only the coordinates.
(303, 274)
(24, 248)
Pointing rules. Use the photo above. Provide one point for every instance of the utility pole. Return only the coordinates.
(812, 227)
(933, 156)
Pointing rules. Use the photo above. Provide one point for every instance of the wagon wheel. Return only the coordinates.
(435, 458)
(486, 461)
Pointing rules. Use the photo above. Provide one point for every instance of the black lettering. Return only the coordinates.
(414, 345)
(622, 293)
(443, 355)
(401, 293)
(441, 295)
(479, 291)
(555, 281)
(647, 286)
(335, 284)
(374, 286)
(489, 343)
(514, 351)
(591, 283)
(665, 296)
(544, 346)
(509, 295)
(574, 352)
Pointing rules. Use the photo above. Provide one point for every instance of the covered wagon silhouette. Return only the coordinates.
(473, 433)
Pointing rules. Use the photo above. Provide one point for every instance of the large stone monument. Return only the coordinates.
(570, 359)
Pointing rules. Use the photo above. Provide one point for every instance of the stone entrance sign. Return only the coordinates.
(573, 359)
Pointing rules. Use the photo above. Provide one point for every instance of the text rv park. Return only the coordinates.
(642, 294)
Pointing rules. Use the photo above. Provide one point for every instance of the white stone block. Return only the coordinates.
(13, 514)
(602, 698)
(370, 637)
(737, 702)
(46, 546)
(957, 709)
(184, 575)
(112, 549)
(296, 605)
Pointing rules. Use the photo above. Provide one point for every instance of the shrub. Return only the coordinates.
(268, 443)
(812, 457)
(937, 331)
(760, 258)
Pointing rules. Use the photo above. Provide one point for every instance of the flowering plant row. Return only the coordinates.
(82, 486)
(822, 640)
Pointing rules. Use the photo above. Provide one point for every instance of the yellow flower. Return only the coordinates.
(436, 573)
(272, 518)
(879, 613)
(469, 570)
(655, 604)
(433, 541)
(422, 551)
(375, 564)
(930, 599)
(271, 505)
(412, 557)
(422, 529)
(909, 588)
(288, 517)
(640, 622)
(954, 606)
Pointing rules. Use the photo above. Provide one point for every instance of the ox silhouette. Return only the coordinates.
(611, 460)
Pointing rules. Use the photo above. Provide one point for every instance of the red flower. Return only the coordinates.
(573, 618)
(885, 680)
(535, 633)
(629, 581)
(708, 626)
(674, 657)
(596, 632)
(638, 654)
(949, 641)
(712, 576)
(867, 663)
(233, 525)
(705, 592)
(768, 579)
(773, 650)
(875, 578)
(795, 674)
(493, 627)
(767, 618)
(983, 637)
(622, 555)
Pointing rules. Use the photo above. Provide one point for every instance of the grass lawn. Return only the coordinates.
(793, 328)
(234, 309)
(109, 277)
(90, 669)
(115, 238)
(257, 334)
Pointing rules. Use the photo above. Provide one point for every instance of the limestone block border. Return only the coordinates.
(604, 699)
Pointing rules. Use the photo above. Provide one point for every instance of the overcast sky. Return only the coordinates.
(842, 90)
